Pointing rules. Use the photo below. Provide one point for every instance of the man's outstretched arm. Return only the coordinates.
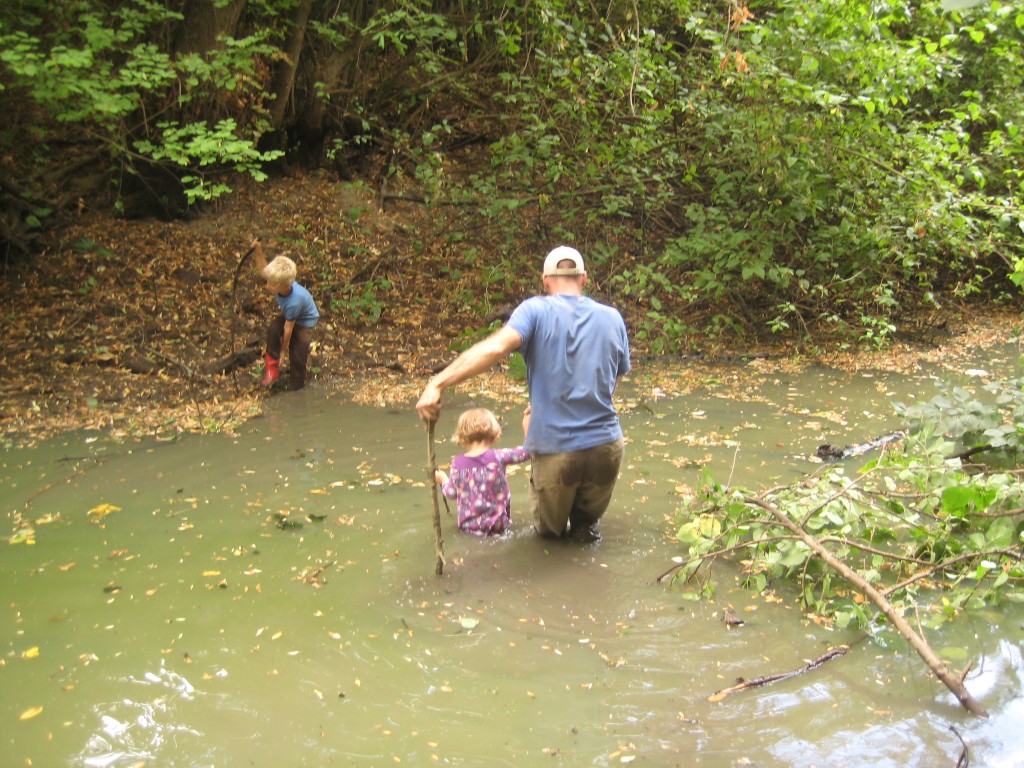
(470, 363)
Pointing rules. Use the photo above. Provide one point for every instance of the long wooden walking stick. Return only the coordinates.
(431, 469)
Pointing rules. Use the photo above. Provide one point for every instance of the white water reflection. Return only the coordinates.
(135, 731)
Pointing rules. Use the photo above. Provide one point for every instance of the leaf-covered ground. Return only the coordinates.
(116, 325)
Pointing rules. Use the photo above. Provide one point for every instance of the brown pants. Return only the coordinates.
(571, 491)
(298, 350)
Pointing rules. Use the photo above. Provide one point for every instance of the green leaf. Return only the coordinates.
(960, 501)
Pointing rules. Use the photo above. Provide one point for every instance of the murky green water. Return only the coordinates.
(183, 626)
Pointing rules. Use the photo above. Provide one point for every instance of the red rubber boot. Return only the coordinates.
(272, 372)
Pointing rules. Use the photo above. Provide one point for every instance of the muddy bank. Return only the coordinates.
(122, 326)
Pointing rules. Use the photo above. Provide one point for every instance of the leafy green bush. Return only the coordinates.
(809, 165)
(791, 166)
(102, 75)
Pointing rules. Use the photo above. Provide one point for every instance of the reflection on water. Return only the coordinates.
(270, 600)
(136, 730)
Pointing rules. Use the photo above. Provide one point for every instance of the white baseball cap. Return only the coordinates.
(563, 253)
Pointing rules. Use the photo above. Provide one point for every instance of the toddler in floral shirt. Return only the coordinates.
(478, 482)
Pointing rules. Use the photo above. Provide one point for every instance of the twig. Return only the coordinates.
(732, 469)
(874, 551)
(966, 670)
(174, 361)
(964, 455)
(313, 576)
(724, 551)
(742, 685)
(923, 574)
(238, 271)
(838, 494)
(963, 761)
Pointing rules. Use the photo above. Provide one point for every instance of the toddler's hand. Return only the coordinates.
(440, 477)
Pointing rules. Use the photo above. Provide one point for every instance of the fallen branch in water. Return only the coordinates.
(743, 685)
(828, 452)
(917, 641)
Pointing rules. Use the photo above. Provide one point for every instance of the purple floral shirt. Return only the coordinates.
(480, 486)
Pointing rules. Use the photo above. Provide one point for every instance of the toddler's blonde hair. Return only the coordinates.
(478, 425)
(280, 272)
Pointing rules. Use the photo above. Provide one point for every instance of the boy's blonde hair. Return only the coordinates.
(478, 425)
(280, 272)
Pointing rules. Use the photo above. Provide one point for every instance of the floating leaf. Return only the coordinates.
(26, 535)
(468, 622)
(31, 653)
(103, 510)
(28, 714)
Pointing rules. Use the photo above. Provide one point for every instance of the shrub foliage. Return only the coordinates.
(790, 167)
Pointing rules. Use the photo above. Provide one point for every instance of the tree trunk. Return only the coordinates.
(284, 77)
(204, 23)
(313, 115)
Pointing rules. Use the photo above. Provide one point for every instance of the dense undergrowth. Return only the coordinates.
(811, 171)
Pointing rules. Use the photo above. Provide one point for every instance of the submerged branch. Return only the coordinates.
(719, 552)
(917, 641)
(964, 760)
(742, 685)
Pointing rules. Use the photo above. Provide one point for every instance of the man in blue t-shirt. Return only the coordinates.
(576, 350)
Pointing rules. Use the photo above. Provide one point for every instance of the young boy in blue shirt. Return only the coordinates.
(291, 332)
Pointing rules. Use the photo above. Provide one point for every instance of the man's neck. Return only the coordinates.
(565, 287)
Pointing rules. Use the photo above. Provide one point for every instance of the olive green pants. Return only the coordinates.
(569, 492)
